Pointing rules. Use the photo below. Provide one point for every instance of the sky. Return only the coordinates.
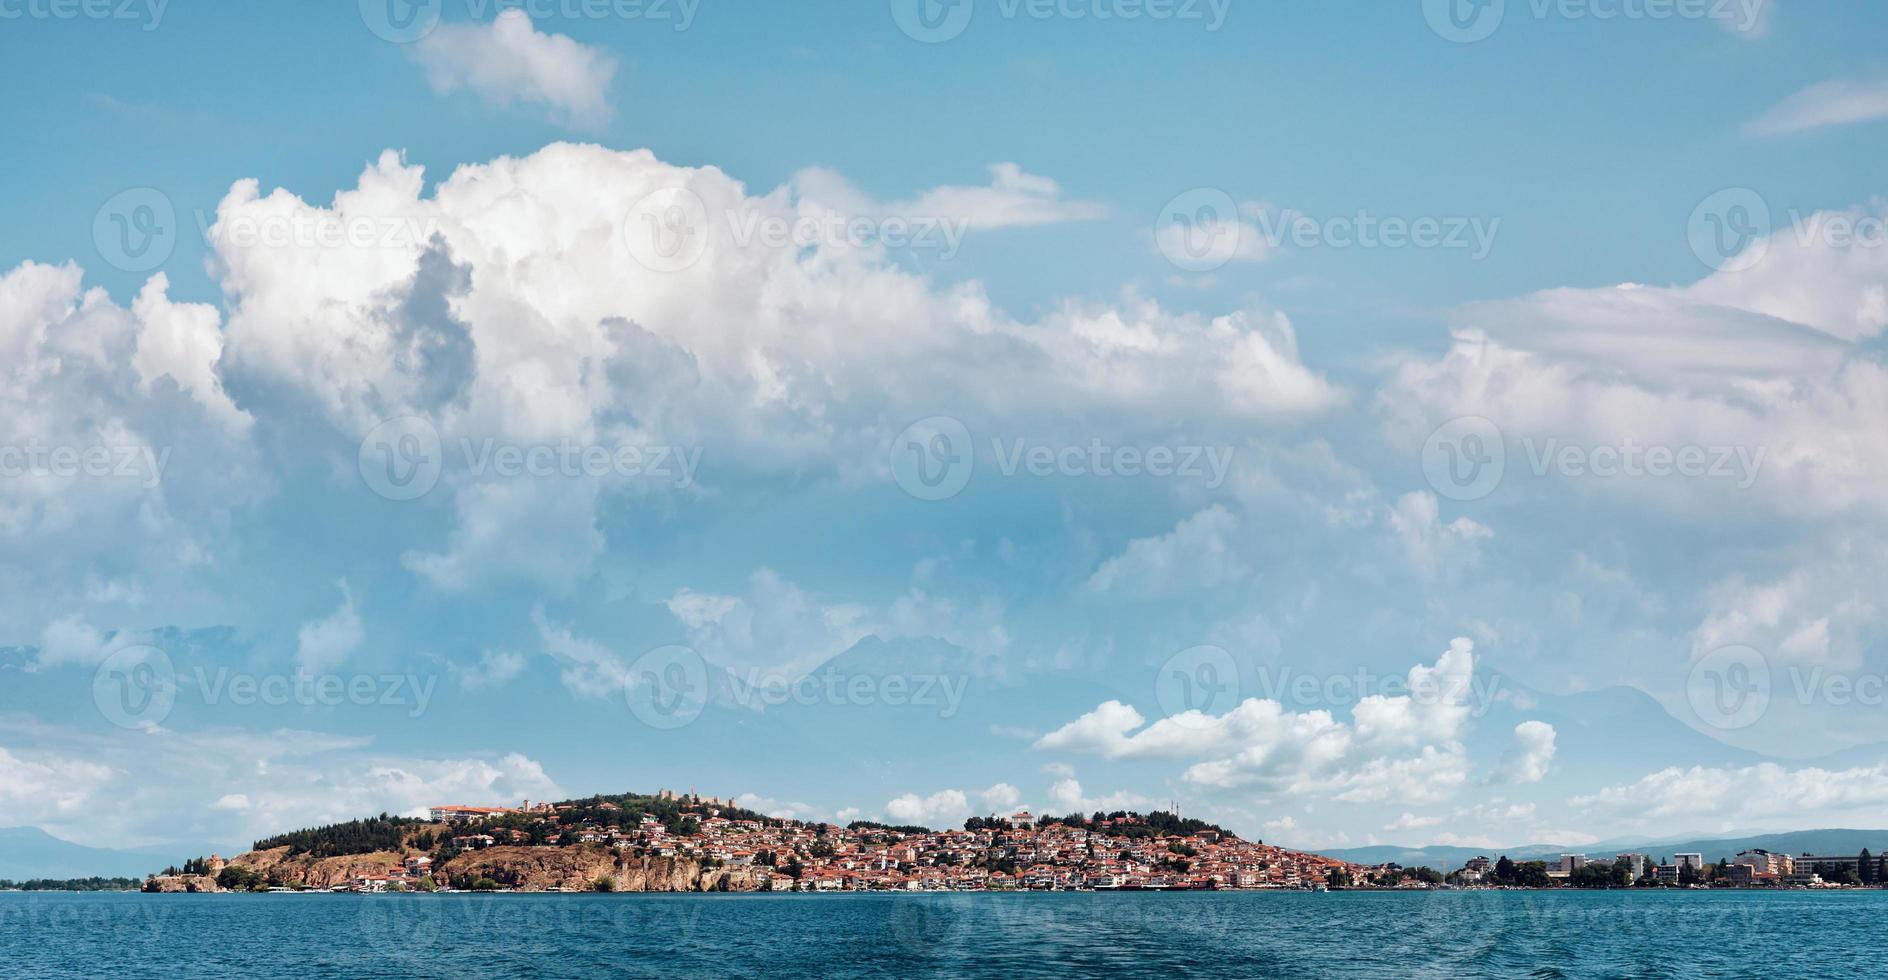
(1453, 423)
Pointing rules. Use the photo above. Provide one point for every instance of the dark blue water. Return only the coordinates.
(1433, 934)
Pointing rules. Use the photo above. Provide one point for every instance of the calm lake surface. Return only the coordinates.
(1225, 934)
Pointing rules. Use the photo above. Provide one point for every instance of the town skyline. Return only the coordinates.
(673, 841)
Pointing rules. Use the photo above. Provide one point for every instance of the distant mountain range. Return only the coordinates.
(28, 852)
(1825, 842)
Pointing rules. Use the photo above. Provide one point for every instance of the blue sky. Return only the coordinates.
(1560, 524)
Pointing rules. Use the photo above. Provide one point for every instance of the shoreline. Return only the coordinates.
(985, 891)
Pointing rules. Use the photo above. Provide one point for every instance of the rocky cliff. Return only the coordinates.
(575, 868)
(307, 871)
(544, 868)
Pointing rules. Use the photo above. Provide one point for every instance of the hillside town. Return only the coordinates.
(476, 847)
(1105, 851)
(685, 842)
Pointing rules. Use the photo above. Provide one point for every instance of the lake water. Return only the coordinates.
(1220, 934)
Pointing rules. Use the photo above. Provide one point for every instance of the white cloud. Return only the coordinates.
(1012, 199)
(508, 61)
(1837, 102)
(1200, 553)
(71, 640)
(1066, 797)
(512, 306)
(1824, 270)
(951, 807)
(324, 644)
(1405, 747)
(1279, 828)
(1000, 797)
(1426, 540)
(1760, 365)
(494, 669)
(184, 342)
(1410, 821)
(1529, 756)
(1823, 613)
(791, 809)
(287, 778)
(774, 627)
(946, 808)
(591, 669)
(1218, 239)
(1764, 796)
(122, 388)
(45, 788)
